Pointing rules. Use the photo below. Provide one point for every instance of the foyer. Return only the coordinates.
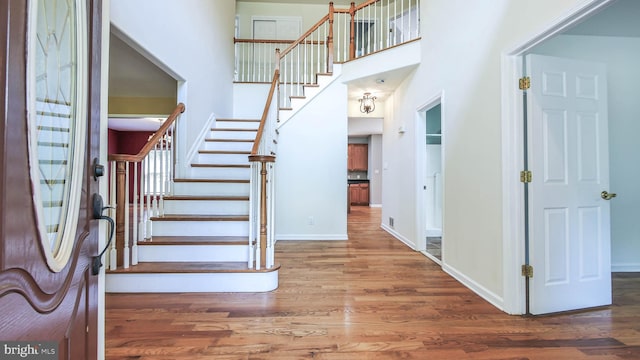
(370, 297)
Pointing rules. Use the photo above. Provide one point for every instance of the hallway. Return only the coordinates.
(367, 298)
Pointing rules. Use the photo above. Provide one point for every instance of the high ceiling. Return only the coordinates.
(131, 74)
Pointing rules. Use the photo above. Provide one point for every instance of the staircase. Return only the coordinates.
(201, 242)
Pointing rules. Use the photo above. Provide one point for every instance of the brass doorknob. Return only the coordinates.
(607, 196)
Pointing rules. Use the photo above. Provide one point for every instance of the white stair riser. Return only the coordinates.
(324, 80)
(192, 253)
(311, 91)
(241, 159)
(285, 115)
(206, 207)
(296, 103)
(200, 228)
(221, 124)
(196, 188)
(192, 282)
(246, 135)
(227, 146)
(220, 173)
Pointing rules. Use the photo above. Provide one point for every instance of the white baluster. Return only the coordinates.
(134, 248)
(126, 255)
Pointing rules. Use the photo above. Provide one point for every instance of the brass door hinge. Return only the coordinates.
(527, 271)
(526, 176)
(524, 83)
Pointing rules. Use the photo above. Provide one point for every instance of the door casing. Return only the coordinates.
(514, 299)
(421, 159)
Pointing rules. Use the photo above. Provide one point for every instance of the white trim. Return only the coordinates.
(206, 130)
(58, 258)
(398, 236)
(512, 153)
(192, 282)
(375, 205)
(625, 267)
(311, 237)
(480, 290)
(421, 160)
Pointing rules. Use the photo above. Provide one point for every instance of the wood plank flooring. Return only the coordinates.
(367, 298)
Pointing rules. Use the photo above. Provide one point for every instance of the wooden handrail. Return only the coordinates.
(265, 112)
(304, 36)
(262, 41)
(153, 140)
(365, 4)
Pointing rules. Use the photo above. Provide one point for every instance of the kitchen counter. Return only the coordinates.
(357, 181)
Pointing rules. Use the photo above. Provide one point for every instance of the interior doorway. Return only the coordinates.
(430, 170)
(601, 32)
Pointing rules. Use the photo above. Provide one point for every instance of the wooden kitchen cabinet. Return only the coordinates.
(358, 157)
(359, 194)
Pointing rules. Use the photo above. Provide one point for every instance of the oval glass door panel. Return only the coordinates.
(57, 122)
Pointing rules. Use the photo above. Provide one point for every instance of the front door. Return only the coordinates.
(49, 137)
(569, 236)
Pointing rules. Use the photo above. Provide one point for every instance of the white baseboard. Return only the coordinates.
(311, 237)
(483, 292)
(396, 235)
(489, 296)
(632, 267)
(375, 205)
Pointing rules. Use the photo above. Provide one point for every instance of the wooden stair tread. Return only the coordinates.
(224, 152)
(196, 240)
(239, 120)
(233, 129)
(190, 267)
(230, 140)
(179, 217)
(243, 181)
(221, 165)
(207, 197)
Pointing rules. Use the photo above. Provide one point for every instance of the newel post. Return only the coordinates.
(263, 159)
(330, 40)
(352, 32)
(120, 209)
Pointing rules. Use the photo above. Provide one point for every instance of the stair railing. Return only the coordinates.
(145, 177)
(261, 198)
(254, 59)
(339, 36)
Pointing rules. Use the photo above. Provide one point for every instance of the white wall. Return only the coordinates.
(310, 14)
(249, 100)
(623, 74)
(311, 165)
(193, 39)
(375, 170)
(461, 56)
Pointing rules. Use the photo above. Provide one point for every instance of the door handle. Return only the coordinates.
(607, 196)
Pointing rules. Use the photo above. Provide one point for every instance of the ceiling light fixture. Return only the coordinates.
(367, 103)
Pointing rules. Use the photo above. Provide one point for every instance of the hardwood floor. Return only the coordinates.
(367, 298)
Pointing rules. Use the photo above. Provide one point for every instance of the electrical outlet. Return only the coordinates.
(390, 221)
(311, 221)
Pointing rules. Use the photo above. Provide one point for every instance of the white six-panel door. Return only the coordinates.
(569, 243)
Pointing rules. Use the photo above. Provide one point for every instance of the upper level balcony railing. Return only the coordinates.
(340, 36)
